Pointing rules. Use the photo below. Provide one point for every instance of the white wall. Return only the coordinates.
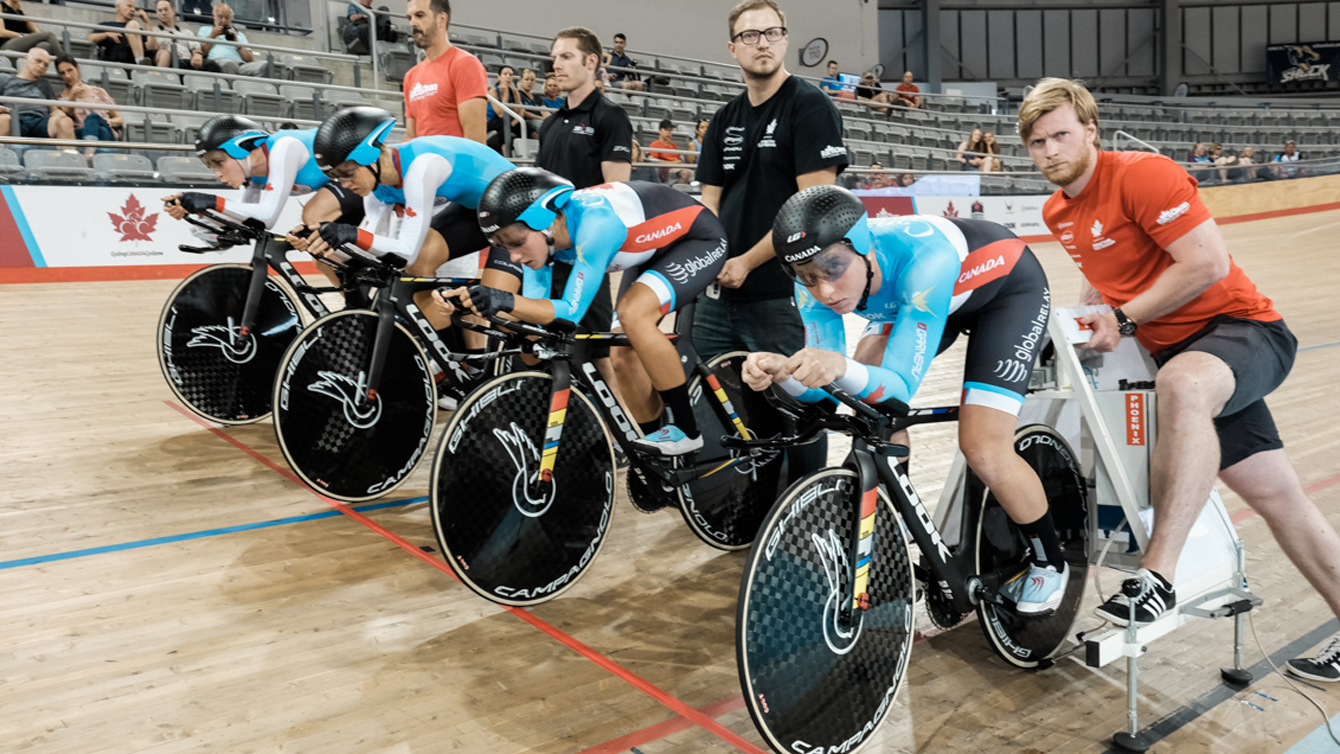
(688, 28)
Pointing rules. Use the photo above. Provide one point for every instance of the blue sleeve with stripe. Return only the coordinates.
(924, 288)
(599, 235)
(823, 329)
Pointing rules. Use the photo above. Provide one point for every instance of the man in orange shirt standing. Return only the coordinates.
(444, 94)
(1135, 225)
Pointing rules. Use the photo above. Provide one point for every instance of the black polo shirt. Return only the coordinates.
(574, 141)
(754, 154)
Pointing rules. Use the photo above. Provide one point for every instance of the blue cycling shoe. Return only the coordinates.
(1037, 592)
(669, 441)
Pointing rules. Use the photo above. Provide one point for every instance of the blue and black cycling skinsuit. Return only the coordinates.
(662, 237)
(942, 277)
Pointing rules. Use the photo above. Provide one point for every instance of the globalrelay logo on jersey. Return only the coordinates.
(422, 90)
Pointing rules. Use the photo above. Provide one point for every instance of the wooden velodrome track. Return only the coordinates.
(168, 587)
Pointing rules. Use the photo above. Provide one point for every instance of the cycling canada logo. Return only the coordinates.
(422, 90)
(134, 226)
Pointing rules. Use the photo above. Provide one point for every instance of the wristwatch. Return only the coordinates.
(1125, 325)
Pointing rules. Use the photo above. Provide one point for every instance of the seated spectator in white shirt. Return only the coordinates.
(1289, 155)
(230, 58)
(189, 55)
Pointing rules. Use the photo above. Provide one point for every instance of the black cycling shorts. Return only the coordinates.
(351, 204)
(459, 228)
(684, 269)
(1260, 355)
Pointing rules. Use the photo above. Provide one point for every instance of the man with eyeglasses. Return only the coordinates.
(779, 136)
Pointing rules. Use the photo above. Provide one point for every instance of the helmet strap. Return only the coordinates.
(376, 168)
(869, 278)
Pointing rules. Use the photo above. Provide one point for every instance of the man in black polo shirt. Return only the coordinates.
(777, 137)
(589, 141)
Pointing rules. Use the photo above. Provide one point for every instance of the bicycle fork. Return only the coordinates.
(862, 541)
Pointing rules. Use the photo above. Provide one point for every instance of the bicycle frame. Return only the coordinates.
(398, 298)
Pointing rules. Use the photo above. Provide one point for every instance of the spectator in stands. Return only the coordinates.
(905, 180)
(1290, 155)
(643, 173)
(1242, 173)
(877, 178)
(505, 92)
(872, 93)
(101, 125)
(908, 93)
(990, 151)
(122, 46)
(22, 36)
(696, 143)
(531, 102)
(360, 20)
(230, 58)
(969, 157)
(620, 66)
(552, 97)
(37, 121)
(666, 140)
(189, 54)
(1198, 159)
(832, 83)
(444, 94)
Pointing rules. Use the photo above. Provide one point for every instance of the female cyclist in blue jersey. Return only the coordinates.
(267, 168)
(920, 281)
(419, 199)
(670, 246)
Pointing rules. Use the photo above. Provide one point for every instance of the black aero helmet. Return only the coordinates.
(522, 195)
(235, 135)
(817, 218)
(354, 133)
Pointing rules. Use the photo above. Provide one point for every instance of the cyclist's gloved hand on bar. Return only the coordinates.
(489, 301)
(338, 234)
(198, 201)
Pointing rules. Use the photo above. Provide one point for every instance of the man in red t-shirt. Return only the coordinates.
(444, 95)
(908, 92)
(1147, 246)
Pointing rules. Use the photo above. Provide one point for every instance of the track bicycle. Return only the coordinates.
(355, 396)
(523, 481)
(825, 618)
(224, 328)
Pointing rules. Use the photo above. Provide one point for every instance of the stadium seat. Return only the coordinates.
(158, 131)
(10, 166)
(113, 79)
(306, 69)
(340, 99)
(161, 89)
(52, 164)
(6, 66)
(301, 103)
(260, 98)
(189, 126)
(396, 62)
(206, 99)
(123, 168)
(181, 169)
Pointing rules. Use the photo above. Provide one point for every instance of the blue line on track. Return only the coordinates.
(1318, 741)
(1313, 348)
(200, 534)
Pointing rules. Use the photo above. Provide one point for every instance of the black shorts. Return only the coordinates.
(34, 125)
(684, 269)
(351, 204)
(459, 227)
(1260, 355)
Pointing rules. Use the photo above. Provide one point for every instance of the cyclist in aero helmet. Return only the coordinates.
(268, 168)
(920, 281)
(671, 247)
(408, 180)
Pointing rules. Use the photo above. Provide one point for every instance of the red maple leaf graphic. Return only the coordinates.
(134, 226)
(950, 211)
(874, 397)
(410, 211)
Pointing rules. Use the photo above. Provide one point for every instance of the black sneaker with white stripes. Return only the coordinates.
(1325, 667)
(1152, 594)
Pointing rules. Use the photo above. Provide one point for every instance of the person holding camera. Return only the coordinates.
(120, 46)
(621, 67)
(236, 59)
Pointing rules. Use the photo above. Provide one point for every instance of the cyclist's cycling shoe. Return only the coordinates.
(1154, 596)
(669, 441)
(451, 393)
(1325, 667)
(1037, 592)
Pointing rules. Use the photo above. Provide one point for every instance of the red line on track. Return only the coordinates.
(101, 274)
(618, 671)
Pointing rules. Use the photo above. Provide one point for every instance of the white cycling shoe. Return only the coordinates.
(669, 441)
(1037, 592)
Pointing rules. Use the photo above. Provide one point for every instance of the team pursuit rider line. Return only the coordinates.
(920, 281)
(671, 246)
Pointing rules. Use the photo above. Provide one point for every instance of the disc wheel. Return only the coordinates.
(338, 442)
(215, 370)
(509, 536)
(725, 505)
(1003, 553)
(811, 683)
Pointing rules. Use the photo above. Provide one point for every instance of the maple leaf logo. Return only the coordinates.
(410, 211)
(134, 226)
(950, 211)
